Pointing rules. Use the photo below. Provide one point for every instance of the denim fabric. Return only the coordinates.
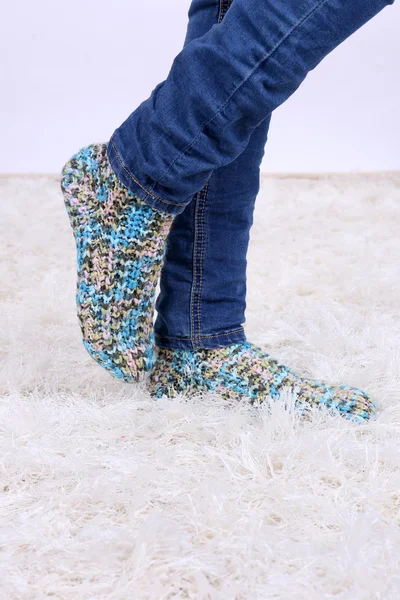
(203, 282)
(194, 147)
(221, 87)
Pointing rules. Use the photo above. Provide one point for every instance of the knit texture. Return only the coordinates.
(120, 246)
(245, 371)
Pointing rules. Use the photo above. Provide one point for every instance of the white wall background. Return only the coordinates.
(72, 71)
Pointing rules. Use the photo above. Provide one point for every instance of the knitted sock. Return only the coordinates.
(245, 371)
(120, 247)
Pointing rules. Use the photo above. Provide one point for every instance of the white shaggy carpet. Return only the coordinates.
(106, 494)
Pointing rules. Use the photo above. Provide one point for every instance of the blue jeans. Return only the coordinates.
(194, 148)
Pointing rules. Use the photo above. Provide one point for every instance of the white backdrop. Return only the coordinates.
(72, 71)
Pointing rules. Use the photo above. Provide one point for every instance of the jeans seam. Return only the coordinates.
(138, 182)
(203, 337)
(224, 6)
(216, 114)
(202, 248)
(194, 277)
(199, 243)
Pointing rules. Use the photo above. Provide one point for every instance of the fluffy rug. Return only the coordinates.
(106, 493)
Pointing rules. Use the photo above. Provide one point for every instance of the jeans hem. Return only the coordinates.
(133, 184)
(207, 342)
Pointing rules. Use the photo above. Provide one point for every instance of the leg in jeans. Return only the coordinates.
(203, 280)
(221, 87)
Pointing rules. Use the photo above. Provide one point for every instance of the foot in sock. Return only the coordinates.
(120, 247)
(245, 371)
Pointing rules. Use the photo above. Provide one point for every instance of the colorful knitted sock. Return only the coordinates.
(120, 247)
(245, 371)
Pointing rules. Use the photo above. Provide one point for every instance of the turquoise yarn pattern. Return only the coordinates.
(120, 245)
(245, 371)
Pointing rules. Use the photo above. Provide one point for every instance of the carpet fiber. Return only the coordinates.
(105, 493)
